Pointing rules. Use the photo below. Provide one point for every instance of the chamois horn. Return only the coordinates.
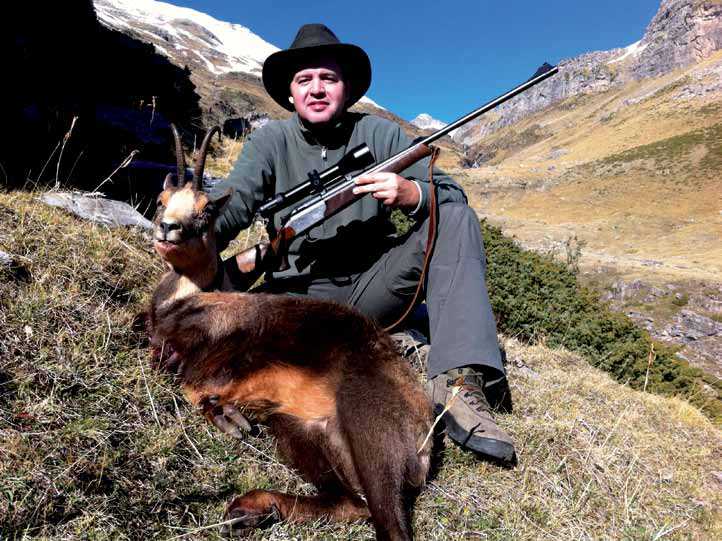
(200, 164)
(179, 158)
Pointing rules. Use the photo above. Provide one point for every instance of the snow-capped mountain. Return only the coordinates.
(190, 37)
(425, 121)
(187, 35)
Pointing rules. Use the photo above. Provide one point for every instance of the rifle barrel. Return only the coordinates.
(488, 106)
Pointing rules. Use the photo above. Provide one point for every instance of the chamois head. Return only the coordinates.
(184, 221)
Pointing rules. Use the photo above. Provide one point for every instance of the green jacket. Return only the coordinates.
(280, 155)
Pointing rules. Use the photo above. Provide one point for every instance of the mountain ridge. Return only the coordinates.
(681, 33)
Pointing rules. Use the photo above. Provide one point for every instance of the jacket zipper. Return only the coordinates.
(323, 153)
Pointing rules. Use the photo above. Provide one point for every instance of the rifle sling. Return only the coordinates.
(430, 240)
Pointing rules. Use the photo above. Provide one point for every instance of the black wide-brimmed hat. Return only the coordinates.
(314, 41)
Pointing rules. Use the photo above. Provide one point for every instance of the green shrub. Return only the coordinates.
(682, 300)
(535, 297)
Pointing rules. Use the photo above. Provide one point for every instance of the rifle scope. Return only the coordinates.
(357, 158)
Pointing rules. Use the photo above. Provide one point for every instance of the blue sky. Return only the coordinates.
(448, 58)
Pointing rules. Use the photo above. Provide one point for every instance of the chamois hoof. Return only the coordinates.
(173, 364)
(226, 417)
(249, 511)
(231, 421)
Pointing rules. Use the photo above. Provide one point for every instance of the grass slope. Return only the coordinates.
(94, 444)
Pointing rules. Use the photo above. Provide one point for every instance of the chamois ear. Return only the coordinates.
(216, 205)
(168, 182)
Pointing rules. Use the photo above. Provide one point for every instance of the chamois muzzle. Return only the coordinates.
(169, 231)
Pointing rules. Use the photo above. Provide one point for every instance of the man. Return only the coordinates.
(351, 258)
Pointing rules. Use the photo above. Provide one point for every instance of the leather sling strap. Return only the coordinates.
(430, 240)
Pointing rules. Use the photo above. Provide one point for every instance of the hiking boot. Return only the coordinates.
(468, 419)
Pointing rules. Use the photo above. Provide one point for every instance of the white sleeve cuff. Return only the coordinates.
(421, 199)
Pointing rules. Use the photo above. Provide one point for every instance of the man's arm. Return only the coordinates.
(249, 180)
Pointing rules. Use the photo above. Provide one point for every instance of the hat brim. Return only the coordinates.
(281, 66)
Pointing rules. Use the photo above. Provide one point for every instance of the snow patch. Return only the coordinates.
(366, 99)
(426, 121)
(631, 50)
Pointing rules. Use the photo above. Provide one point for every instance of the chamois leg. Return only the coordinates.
(383, 487)
(263, 507)
(319, 453)
(384, 443)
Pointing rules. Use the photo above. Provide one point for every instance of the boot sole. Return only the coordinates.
(494, 449)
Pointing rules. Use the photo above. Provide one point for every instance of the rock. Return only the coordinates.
(646, 322)
(97, 209)
(15, 267)
(624, 290)
(717, 476)
(557, 153)
(525, 369)
(707, 303)
(708, 348)
(654, 293)
(688, 326)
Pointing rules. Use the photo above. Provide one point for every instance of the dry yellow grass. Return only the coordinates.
(638, 227)
(220, 162)
(95, 444)
(597, 461)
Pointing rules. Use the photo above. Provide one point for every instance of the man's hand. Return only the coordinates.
(390, 188)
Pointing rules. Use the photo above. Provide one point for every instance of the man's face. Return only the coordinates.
(319, 92)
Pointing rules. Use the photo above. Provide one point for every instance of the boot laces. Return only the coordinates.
(470, 388)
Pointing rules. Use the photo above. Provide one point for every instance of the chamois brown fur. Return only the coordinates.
(348, 413)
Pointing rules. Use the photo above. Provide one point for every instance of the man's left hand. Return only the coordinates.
(392, 189)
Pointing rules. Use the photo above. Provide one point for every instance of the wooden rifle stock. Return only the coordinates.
(345, 196)
(260, 258)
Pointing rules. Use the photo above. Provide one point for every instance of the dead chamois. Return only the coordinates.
(348, 413)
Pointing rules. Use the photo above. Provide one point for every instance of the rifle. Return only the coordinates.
(332, 189)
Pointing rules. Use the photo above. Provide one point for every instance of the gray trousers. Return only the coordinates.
(461, 323)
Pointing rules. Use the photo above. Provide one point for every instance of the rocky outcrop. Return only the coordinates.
(95, 208)
(682, 32)
(694, 325)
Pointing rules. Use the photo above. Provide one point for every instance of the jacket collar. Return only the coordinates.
(331, 136)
